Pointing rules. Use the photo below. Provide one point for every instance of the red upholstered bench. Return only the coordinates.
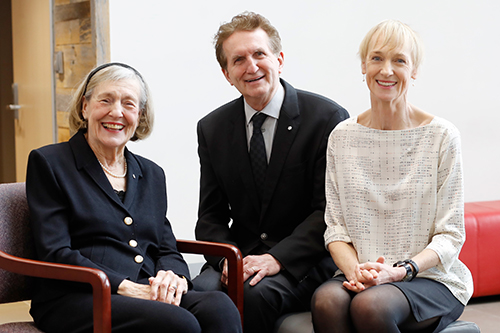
(482, 246)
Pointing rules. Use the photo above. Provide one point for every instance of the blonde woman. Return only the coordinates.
(394, 209)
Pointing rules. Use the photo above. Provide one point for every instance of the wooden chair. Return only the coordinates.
(17, 267)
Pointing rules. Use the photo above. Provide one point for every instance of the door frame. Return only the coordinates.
(33, 54)
(7, 136)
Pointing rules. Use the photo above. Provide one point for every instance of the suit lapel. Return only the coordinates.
(134, 174)
(86, 160)
(288, 126)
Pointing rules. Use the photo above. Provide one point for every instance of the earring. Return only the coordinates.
(364, 77)
(413, 82)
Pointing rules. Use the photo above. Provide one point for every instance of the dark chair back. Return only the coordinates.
(16, 239)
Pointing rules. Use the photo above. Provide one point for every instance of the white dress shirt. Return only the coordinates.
(269, 126)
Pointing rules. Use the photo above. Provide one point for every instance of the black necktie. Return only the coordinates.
(258, 156)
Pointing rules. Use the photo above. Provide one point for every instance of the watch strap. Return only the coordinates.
(415, 267)
(409, 272)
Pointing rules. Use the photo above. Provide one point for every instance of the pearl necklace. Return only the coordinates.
(112, 174)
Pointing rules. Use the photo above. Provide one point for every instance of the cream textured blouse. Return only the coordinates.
(396, 193)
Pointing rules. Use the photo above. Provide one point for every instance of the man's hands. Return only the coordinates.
(166, 287)
(260, 266)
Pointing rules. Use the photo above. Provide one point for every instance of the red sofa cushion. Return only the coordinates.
(482, 246)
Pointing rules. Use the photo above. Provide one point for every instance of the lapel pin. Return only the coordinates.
(133, 175)
(289, 128)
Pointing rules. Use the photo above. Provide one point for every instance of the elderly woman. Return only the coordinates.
(94, 203)
(394, 210)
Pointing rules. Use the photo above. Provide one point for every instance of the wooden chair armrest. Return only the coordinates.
(234, 262)
(97, 278)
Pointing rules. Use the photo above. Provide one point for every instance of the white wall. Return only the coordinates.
(170, 43)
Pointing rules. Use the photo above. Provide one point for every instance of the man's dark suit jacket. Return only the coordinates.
(78, 219)
(289, 223)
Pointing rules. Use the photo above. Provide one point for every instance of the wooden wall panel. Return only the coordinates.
(81, 33)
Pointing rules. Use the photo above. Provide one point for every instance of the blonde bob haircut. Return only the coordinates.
(394, 34)
(112, 72)
(246, 21)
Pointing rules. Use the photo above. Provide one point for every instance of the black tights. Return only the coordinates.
(383, 308)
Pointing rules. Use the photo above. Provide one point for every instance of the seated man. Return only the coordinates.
(263, 176)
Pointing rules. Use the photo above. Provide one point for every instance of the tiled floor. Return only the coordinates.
(484, 311)
(13, 312)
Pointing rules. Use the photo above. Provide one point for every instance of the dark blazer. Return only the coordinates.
(289, 224)
(78, 219)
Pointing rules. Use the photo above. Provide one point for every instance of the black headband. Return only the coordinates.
(97, 69)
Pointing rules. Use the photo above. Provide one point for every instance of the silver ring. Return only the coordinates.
(172, 286)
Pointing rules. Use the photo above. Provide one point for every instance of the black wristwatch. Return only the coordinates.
(407, 264)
